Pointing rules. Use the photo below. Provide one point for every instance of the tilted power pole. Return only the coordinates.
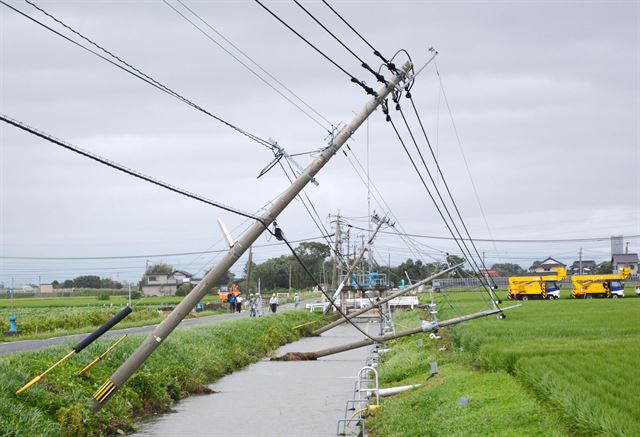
(382, 301)
(352, 268)
(336, 252)
(162, 331)
(424, 327)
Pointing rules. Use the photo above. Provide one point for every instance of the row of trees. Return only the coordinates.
(511, 269)
(282, 271)
(87, 281)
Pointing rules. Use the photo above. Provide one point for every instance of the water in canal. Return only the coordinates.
(274, 398)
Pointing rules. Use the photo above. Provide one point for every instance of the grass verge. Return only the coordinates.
(496, 405)
(186, 362)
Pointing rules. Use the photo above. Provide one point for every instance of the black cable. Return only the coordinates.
(388, 118)
(433, 155)
(157, 255)
(320, 226)
(124, 169)
(353, 79)
(210, 38)
(331, 301)
(363, 64)
(560, 240)
(134, 71)
(387, 62)
(453, 222)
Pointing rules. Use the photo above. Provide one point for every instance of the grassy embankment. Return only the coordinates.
(551, 368)
(187, 361)
(57, 316)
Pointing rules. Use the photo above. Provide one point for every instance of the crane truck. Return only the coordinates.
(536, 286)
(599, 286)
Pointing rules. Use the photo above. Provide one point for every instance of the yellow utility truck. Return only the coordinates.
(536, 286)
(599, 286)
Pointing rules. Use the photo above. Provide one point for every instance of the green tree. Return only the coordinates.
(55, 284)
(68, 283)
(160, 268)
(605, 268)
(87, 281)
(183, 290)
(535, 265)
(507, 269)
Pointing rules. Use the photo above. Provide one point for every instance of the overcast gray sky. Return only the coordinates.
(545, 97)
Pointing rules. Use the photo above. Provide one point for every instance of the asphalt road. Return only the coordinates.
(30, 345)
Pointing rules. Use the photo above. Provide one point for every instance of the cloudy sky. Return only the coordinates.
(545, 97)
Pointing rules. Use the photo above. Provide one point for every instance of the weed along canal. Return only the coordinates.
(274, 398)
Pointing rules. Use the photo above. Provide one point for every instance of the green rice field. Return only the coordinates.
(565, 367)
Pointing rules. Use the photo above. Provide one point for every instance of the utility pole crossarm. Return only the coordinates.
(160, 333)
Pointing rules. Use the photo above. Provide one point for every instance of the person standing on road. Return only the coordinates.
(239, 300)
(259, 304)
(232, 302)
(296, 300)
(273, 303)
(252, 305)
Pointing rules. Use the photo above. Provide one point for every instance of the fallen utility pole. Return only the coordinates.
(160, 333)
(353, 266)
(382, 301)
(424, 327)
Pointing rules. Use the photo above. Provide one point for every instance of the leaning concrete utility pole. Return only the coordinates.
(160, 333)
(336, 252)
(382, 301)
(352, 268)
(424, 327)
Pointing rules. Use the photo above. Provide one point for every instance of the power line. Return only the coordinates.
(435, 186)
(557, 240)
(363, 64)
(388, 63)
(471, 260)
(464, 158)
(353, 79)
(124, 169)
(155, 255)
(210, 38)
(131, 69)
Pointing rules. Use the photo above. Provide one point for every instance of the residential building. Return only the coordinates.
(621, 260)
(550, 265)
(166, 284)
(589, 267)
(489, 273)
(46, 288)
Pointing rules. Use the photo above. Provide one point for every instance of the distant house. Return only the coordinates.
(588, 267)
(46, 288)
(489, 273)
(550, 265)
(622, 260)
(165, 284)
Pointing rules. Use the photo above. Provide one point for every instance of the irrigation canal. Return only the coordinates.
(273, 398)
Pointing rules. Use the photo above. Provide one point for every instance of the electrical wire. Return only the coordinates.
(326, 295)
(353, 79)
(435, 185)
(460, 246)
(387, 62)
(543, 241)
(210, 38)
(126, 170)
(131, 69)
(363, 64)
(157, 255)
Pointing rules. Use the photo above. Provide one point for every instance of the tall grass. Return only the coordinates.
(187, 361)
